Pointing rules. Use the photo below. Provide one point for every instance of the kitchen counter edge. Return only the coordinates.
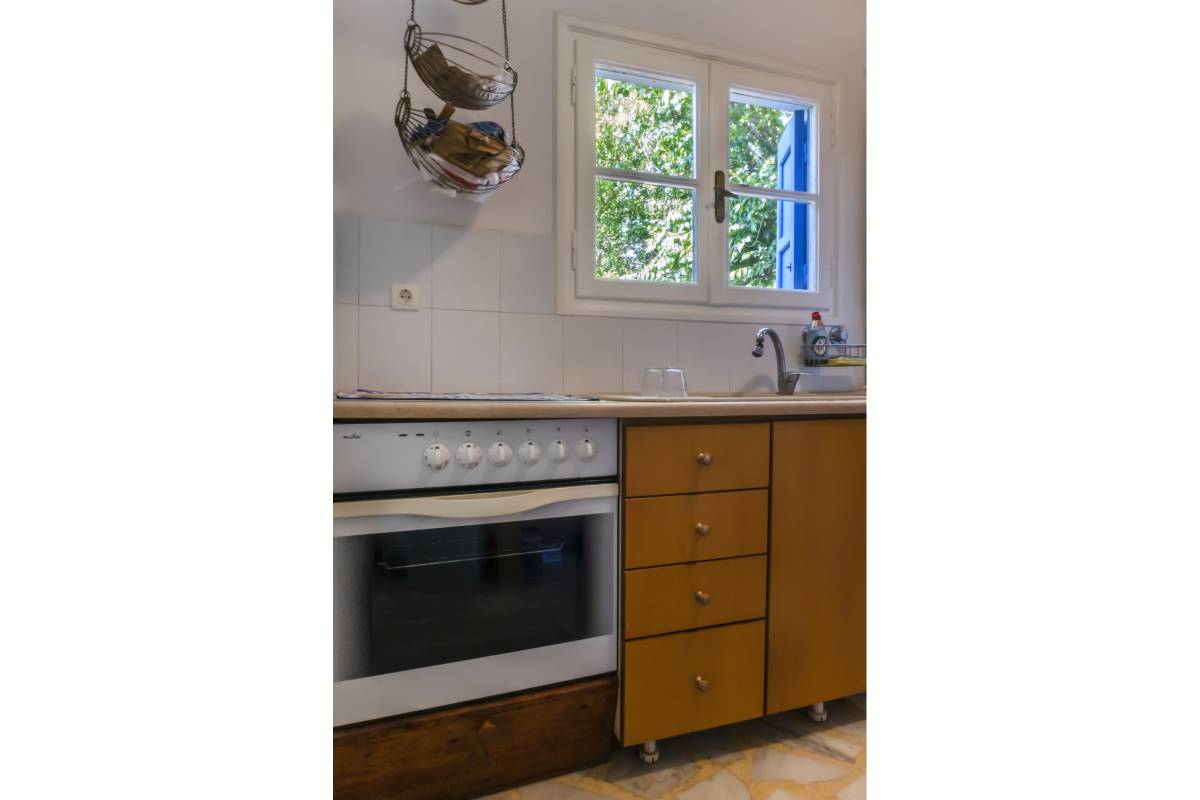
(475, 409)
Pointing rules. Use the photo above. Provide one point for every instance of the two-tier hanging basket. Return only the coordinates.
(475, 158)
(460, 70)
(472, 158)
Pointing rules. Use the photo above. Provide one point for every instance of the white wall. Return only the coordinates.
(373, 178)
(484, 322)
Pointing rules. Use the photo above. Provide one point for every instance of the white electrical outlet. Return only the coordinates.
(404, 296)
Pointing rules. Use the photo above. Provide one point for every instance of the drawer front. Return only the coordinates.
(668, 599)
(673, 459)
(694, 527)
(691, 681)
(474, 749)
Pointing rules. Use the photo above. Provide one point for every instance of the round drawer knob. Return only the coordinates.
(701, 529)
(704, 459)
(703, 598)
(701, 684)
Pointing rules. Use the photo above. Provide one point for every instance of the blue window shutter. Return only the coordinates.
(791, 245)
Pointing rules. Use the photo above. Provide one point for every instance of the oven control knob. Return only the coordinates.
(557, 450)
(437, 456)
(585, 449)
(468, 455)
(529, 452)
(499, 454)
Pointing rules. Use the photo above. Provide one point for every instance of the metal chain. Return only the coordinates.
(412, 18)
(512, 98)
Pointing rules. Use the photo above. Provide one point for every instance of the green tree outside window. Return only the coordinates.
(644, 231)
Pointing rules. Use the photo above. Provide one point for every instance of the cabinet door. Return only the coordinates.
(817, 612)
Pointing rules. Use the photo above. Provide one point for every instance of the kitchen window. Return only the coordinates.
(693, 184)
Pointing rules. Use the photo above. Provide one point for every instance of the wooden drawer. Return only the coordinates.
(668, 599)
(661, 692)
(694, 527)
(473, 749)
(673, 459)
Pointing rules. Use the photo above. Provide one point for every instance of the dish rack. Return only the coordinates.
(837, 355)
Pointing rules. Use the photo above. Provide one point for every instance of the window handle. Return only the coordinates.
(720, 193)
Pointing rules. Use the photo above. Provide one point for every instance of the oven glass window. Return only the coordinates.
(416, 599)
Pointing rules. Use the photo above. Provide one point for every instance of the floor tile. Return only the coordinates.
(772, 764)
(827, 745)
(651, 781)
(782, 794)
(719, 745)
(722, 786)
(556, 790)
(855, 791)
(844, 717)
(813, 761)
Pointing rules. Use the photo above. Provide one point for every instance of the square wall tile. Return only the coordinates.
(531, 353)
(393, 349)
(705, 355)
(345, 259)
(390, 252)
(345, 347)
(591, 355)
(466, 351)
(527, 275)
(646, 343)
(466, 268)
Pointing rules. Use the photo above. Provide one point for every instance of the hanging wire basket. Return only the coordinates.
(459, 70)
(475, 159)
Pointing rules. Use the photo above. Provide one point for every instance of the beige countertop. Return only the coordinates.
(633, 408)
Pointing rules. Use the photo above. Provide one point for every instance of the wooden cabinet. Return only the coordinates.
(691, 681)
(744, 553)
(671, 459)
(817, 645)
(684, 596)
(695, 530)
(476, 748)
(675, 529)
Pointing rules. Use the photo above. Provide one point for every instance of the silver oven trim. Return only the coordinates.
(444, 684)
(472, 506)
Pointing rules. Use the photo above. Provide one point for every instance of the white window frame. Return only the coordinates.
(581, 46)
(617, 56)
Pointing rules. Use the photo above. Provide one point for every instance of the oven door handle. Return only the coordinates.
(472, 506)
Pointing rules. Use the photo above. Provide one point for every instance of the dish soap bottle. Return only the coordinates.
(816, 342)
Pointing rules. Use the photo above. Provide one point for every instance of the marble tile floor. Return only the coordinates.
(780, 757)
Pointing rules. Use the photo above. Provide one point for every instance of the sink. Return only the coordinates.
(734, 398)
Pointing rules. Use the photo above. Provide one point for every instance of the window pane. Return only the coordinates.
(645, 127)
(644, 232)
(768, 143)
(770, 243)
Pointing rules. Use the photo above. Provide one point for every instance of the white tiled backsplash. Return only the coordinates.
(485, 322)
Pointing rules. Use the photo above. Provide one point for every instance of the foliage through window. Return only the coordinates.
(644, 230)
(755, 132)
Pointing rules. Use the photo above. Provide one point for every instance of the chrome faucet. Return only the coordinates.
(787, 377)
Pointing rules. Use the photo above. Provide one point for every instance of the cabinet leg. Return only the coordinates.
(648, 752)
(817, 712)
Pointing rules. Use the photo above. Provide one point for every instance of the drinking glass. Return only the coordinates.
(674, 383)
(652, 381)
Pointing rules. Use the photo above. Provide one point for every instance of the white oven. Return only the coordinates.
(466, 587)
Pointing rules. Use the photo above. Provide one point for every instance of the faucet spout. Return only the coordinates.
(786, 378)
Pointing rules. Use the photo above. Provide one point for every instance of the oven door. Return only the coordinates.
(438, 600)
